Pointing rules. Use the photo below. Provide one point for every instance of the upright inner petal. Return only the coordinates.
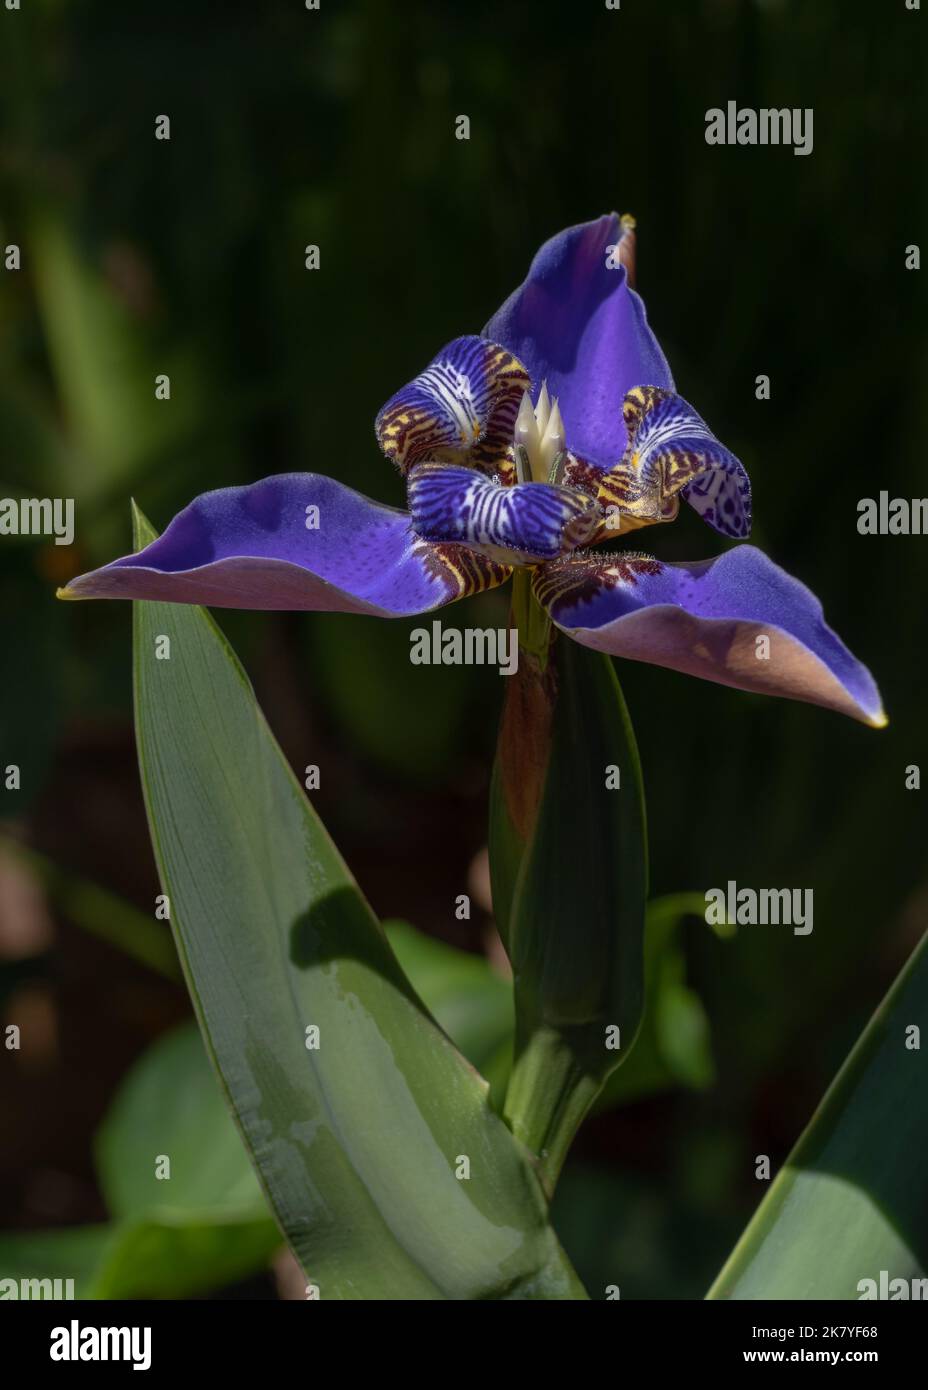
(672, 452)
(461, 409)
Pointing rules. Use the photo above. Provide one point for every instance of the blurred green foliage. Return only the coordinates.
(199, 1223)
(335, 128)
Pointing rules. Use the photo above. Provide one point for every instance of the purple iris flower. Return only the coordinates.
(540, 443)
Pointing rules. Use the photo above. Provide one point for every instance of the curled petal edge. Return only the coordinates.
(715, 647)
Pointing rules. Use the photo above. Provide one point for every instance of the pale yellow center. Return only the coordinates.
(540, 432)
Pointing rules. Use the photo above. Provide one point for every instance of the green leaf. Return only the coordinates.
(672, 1046)
(207, 1224)
(171, 1107)
(357, 1141)
(204, 1227)
(74, 1253)
(851, 1200)
(473, 1003)
(169, 1255)
(175, 1255)
(568, 860)
(469, 999)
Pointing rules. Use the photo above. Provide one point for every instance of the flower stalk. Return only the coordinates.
(530, 619)
(550, 1092)
(568, 863)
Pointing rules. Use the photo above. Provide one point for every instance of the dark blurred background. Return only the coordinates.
(336, 127)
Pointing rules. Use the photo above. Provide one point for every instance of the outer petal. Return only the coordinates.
(576, 323)
(461, 409)
(522, 524)
(258, 547)
(671, 450)
(704, 617)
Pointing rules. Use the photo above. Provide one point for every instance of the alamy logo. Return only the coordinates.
(766, 126)
(880, 516)
(474, 646)
(894, 1289)
(760, 906)
(35, 1290)
(76, 1343)
(38, 516)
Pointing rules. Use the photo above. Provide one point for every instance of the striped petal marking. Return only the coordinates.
(672, 452)
(462, 409)
(525, 524)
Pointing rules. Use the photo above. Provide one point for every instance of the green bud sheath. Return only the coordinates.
(568, 861)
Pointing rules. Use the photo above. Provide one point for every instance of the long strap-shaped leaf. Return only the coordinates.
(384, 1165)
(851, 1202)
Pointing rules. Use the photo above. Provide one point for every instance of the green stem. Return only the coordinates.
(548, 1095)
(530, 618)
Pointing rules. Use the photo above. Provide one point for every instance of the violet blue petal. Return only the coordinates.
(704, 617)
(296, 541)
(577, 324)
